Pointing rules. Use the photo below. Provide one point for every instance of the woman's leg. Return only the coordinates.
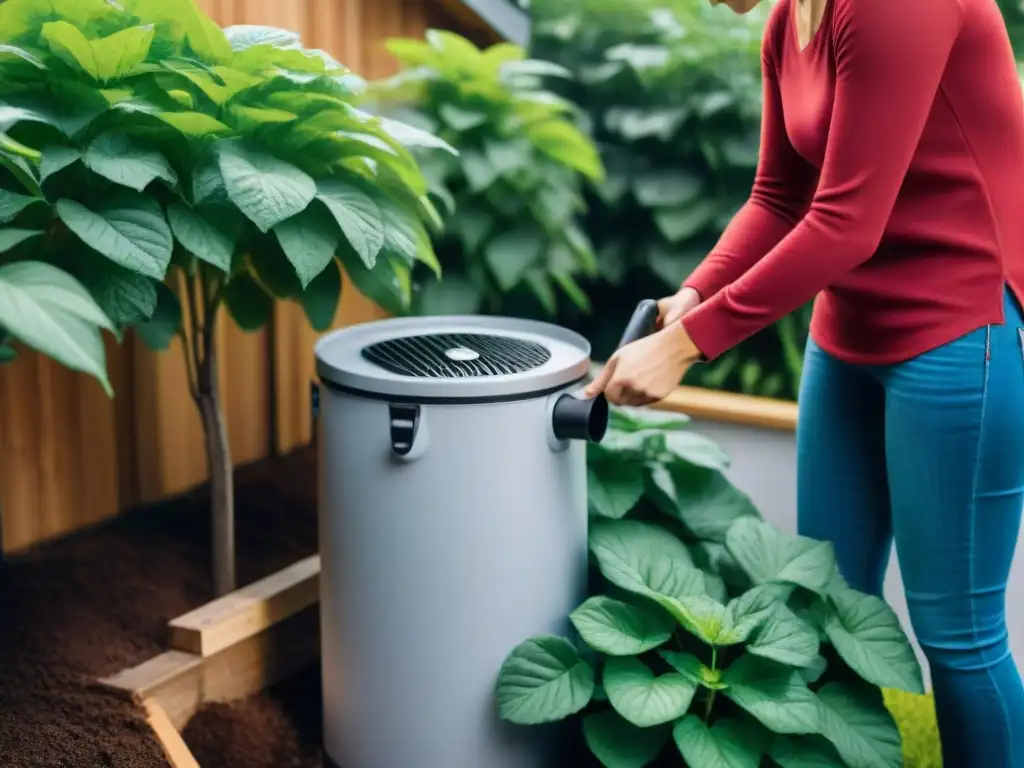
(955, 444)
(842, 489)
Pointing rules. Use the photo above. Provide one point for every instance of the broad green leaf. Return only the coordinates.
(632, 420)
(690, 667)
(726, 744)
(454, 295)
(786, 638)
(404, 234)
(194, 124)
(804, 752)
(621, 629)
(643, 558)
(614, 486)
(129, 229)
(511, 254)
(249, 305)
(55, 159)
(248, 119)
(125, 297)
(777, 697)
(679, 224)
(358, 215)
(746, 613)
(696, 449)
(706, 501)
(51, 312)
(104, 59)
(855, 720)
(565, 143)
(21, 53)
(769, 555)
(867, 634)
(411, 137)
(321, 298)
(158, 332)
(242, 36)
(545, 679)
(386, 285)
(461, 119)
(11, 204)
(618, 743)
(666, 187)
(200, 237)
(124, 161)
(643, 699)
(309, 240)
(208, 184)
(11, 237)
(266, 189)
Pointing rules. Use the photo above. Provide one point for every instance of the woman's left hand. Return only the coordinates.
(646, 370)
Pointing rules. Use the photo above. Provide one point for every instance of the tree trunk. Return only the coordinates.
(221, 468)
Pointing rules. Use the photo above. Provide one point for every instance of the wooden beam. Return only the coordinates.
(249, 611)
(175, 749)
(172, 678)
(711, 405)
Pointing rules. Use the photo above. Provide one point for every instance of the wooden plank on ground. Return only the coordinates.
(175, 748)
(249, 611)
(172, 678)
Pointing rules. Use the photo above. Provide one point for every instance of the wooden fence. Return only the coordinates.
(70, 457)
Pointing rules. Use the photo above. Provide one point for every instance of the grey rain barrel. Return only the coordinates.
(453, 526)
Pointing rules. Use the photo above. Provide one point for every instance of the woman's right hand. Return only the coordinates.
(672, 308)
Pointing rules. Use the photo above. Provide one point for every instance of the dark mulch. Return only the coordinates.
(94, 603)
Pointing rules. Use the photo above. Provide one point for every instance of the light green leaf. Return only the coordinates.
(411, 137)
(249, 305)
(21, 53)
(404, 234)
(867, 634)
(511, 253)
(460, 119)
(769, 555)
(266, 189)
(690, 667)
(358, 215)
(51, 312)
(614, 486)
(804, 752)
(666, 187)
(158, 332)
(727, 744)
(565, 143)
(855, 720)
(643, 699)
(11, 237)
(194, 124)
(11, 204)
(544, 679)
(124, 161)
(129, 229)
(321, 298)
(787, 639)
(309, 240)
(621, 629)
(776, 696)
(643, 558)
(104, 59)
(68, 43)
(697, 449)
(242, 36)
(200, 237)
(618, 743)
(56, 158)
(745, 614)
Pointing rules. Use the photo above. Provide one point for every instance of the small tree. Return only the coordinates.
(184, 164)
(514, 191)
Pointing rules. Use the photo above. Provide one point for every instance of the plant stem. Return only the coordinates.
(710, 701)
(203, 352)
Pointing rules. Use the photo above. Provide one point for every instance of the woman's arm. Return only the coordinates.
(890, 58)
(782, 190)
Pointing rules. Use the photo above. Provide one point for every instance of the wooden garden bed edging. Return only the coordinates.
(175, 749)
(731, 408)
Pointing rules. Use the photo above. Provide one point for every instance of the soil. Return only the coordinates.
(92, 604)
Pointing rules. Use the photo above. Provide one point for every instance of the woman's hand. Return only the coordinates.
(647, 370)
(672, 308)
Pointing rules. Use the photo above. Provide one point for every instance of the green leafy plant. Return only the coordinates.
(154, 156)
(672, 94)
(711, 634)
(513, 193)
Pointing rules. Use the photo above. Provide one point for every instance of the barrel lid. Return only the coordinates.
(452, 358)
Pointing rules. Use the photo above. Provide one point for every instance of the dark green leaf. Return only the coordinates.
(618, 743)
(321, 298)
(158, 332)
(249, 305)
(309, 240)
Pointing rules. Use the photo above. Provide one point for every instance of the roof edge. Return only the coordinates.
(505, 17)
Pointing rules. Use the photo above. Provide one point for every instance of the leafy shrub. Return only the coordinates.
(710, 628)
(672, 91)
(233, 163)
(514, 191)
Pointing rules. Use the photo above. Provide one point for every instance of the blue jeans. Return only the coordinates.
(930, 452)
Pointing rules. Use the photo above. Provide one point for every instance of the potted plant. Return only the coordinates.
(180, 169)
(513, 194)
(710, 633)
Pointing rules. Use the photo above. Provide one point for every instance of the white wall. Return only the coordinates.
(764, 465)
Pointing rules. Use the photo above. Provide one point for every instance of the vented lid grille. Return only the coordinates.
(456, 355)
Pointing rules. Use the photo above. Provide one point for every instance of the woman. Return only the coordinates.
(891, 186)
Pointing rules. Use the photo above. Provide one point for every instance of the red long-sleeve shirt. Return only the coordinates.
(890, 183)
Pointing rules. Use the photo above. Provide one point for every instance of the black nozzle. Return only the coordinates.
(642, 322)
(575, 418)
